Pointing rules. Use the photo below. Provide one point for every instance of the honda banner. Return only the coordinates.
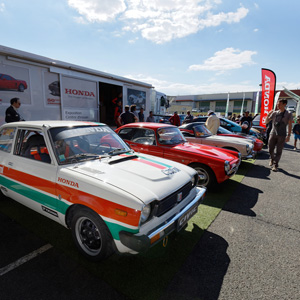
(268, 93)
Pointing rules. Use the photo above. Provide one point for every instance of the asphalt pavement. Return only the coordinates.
(251, 250)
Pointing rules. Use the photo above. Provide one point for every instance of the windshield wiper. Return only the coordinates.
(117, 151)
(81, 156)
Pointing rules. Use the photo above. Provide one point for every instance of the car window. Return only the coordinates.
(6, 138)
(170, 136)
(144, 136)
(31, 144)
(127, 133)
(201, 131)
(223, 123)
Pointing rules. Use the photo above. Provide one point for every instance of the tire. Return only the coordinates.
(21, 88)
(207, 177)
(91, 235)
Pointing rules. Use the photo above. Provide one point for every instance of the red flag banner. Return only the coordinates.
(268, 93)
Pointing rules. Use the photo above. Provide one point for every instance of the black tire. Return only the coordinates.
(91, 235)
(207, 177)
(21, 88)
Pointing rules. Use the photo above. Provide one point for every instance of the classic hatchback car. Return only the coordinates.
(214, 165)
(198, 133)
(7, 82)
(84, 176)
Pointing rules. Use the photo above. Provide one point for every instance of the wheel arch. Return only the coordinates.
(208, 168)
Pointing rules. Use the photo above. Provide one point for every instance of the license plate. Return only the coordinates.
(187, 216)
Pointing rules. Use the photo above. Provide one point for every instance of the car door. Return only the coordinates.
(30, 172)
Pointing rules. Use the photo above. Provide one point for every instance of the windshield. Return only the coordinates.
(222, 130)
(201, 131)
(74, 144)
(170, 136)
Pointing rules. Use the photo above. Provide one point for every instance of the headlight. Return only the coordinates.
(195, 180)
(227, 167)
(247, 148)
(145, 213)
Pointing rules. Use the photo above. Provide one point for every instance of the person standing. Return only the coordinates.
(150, 118)
(11, 113)
(133, 110)
(175, 120)
(248, 119)
(213, 122)
(118, 109)
(280, 119)
(127, 117)
(296, 131)
(141, 115)
(188, 118)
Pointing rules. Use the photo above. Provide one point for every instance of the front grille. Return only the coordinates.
(161, 207)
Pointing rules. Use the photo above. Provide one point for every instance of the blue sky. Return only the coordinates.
(181, 47)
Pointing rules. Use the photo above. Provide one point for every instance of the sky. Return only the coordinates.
(181, 47)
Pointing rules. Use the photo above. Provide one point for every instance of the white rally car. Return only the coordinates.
(85, 177)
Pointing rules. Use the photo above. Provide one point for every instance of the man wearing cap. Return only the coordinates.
(127, 116)
(213, 122)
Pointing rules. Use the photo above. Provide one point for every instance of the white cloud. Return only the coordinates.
(2, 7)
(158, 20)
(226, 59)
(98, 11)
(176, 89)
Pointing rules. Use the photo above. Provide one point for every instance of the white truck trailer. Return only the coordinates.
(55, 90)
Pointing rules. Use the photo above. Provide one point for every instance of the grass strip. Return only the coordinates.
(144, 276)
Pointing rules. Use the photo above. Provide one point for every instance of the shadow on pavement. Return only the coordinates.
(201, 277)
(243, 200)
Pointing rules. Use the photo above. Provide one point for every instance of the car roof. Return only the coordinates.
(147, 125)
(51, 123)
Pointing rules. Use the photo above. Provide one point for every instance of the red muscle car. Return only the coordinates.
(7, 82)
(214, 165)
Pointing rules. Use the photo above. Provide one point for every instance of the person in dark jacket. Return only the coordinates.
(127, 116)
(11, 114)
(175, 120)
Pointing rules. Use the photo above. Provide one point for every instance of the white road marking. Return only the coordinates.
(24, 259)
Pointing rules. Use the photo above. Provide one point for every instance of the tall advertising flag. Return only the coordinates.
(268, 93)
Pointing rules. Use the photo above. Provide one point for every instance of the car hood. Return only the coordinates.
(231, 139)
(205, 150)
(144, 176)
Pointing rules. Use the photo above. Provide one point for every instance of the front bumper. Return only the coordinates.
(250, 155)
(141, 243)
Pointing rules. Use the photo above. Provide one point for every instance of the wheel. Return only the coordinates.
(91, 235)
(107, 145)
(207, 177)
(21, 88)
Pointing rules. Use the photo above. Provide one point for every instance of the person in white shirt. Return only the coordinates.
(213, 122)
